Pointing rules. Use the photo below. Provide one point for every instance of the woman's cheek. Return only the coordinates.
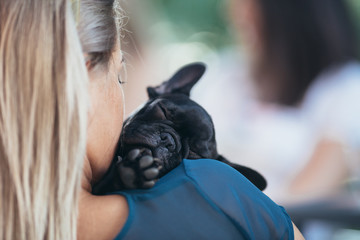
(117, 105)
(112, 120)
(105, 123)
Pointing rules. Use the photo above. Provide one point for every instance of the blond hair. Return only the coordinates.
(43, 119)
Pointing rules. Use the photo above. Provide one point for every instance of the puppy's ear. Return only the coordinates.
(182, 81)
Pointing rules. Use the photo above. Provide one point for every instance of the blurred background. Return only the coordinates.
(312, 164)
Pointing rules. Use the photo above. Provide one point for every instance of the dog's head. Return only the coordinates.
(174, 127)
(170, 124)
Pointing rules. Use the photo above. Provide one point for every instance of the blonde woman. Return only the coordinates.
(43, 116)
(48, 167)
(181, 205)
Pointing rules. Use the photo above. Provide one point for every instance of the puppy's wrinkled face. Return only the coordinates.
(150, 128)
(170, 124)
(173, 127)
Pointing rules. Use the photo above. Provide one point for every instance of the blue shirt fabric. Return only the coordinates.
(204, 199)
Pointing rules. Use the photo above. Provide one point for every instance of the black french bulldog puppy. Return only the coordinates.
(167, 129)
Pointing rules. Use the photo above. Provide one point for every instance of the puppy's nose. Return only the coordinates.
(168, 141)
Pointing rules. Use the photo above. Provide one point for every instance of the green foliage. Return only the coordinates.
(355, 10)
(206, 21)
(191, 17)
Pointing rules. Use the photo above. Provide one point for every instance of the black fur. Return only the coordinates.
(167, 129)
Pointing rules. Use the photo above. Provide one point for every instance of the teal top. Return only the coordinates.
(204, 199)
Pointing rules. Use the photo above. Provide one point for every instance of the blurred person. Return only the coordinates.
(61, 112)
(297, 117)
(304, 55)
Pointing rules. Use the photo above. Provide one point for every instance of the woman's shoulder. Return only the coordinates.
(218, 179)
(200, 168)
(215, 175)
(239, 199)
(210, 195)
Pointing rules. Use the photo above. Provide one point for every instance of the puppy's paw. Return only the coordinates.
(138, 169)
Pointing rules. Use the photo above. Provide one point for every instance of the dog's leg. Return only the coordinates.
(253, 176)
